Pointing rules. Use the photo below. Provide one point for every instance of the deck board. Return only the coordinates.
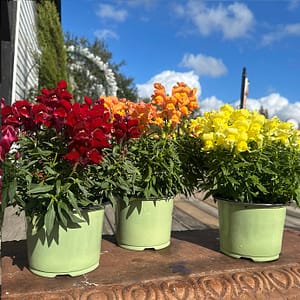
(189, 214)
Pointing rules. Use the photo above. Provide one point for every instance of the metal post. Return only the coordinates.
(244, 75)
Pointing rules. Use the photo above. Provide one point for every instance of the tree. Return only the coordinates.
(89, 65)
(52, 61)
(263, 111)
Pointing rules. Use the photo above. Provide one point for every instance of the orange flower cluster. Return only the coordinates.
(164, 109)
(116, 105)
(172, 108)
(143, 112)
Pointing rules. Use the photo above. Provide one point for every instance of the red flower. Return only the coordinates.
(40, 114)
(72, 156)
(23, 107)
(10, 116)
(62, 85)
(88, 101)
(95, 156)
(51, 98)
(125, 128)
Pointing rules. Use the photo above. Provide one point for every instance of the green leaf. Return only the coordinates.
(62, 217)
(50, 170)
(58, 185)
(49, 218)
(12, 189)
(39, 188)
(73, 201)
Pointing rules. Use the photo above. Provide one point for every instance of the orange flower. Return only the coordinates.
(175, 119)
(115, 105)
(184, 110)
(163, 110)
(172, 108)
(143, 112)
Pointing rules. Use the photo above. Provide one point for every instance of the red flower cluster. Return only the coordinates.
(86, 129)
(125, 128)
(89, 129)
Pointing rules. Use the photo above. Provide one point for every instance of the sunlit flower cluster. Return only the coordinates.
(143, 112)
(241, 129)
(84, 130)
(163, 111)
(173, 108)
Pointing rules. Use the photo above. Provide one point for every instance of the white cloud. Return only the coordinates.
(281, 32)
(210, 103)
(107, 11)
(274, 103)
(293, 4)
(204, 65)
(106, 34)
(234, 20)
(168, 79)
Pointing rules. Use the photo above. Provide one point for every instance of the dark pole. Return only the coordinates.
(244, 75)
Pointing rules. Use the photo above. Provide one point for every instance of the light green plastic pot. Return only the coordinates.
(144, 224)
(251, 231)
(73, 252)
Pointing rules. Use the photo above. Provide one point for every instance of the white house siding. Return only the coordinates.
(25, 74)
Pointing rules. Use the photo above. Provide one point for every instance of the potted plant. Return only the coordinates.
(142, 175)
(52, 174)
(251, 165)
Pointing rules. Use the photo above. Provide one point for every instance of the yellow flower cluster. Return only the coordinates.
(237, 128)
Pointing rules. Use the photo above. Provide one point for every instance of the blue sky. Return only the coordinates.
(203, 43)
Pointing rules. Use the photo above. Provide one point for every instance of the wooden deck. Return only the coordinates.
(194, 214)
(189, 214)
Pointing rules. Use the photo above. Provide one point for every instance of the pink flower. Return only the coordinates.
(9, 135)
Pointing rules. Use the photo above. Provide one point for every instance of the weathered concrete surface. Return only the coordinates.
(190, 268)
(13, 227)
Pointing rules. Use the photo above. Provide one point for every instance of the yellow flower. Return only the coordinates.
(208, 139)
(231, 136)
(240, 114)
(208, 145)
(242, 146)
(271, 124)
(227, 110)
(242, 125)
(220, 139)
(282, 138)
(258, 118)
(219, 121)
(242, 136)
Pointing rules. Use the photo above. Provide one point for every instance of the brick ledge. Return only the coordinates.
(191, 268)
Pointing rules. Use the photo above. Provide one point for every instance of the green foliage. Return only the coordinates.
(52, 63)
(271, 175)
(240, 155)
(146, 167)
(48, 189)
